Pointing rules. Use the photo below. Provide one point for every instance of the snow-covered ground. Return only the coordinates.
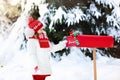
(72, 67)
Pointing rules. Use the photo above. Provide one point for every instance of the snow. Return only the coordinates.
(72, 67)
(74, 16)
(94, 11)
(111, 3)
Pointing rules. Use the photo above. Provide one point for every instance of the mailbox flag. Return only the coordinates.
(91, 41)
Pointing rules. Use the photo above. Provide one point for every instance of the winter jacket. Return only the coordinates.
(41, 56)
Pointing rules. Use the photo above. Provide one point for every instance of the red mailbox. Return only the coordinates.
(91, 41)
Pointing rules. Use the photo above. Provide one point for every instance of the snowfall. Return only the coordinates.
(75, 66)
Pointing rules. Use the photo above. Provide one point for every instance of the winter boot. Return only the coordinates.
(39, 77)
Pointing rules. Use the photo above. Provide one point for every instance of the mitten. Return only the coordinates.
(29, 32)
(61, 45)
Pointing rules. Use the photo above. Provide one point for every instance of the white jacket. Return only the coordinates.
(41, 56)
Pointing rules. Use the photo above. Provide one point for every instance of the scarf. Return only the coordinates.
(42, 39)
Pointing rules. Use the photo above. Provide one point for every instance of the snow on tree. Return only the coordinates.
(114, 18)
(5, 28)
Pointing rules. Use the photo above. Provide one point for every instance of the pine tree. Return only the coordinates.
(95, 20)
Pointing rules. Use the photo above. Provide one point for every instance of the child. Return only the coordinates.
(38, 46)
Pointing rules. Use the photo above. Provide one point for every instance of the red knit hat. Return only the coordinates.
(34, 24)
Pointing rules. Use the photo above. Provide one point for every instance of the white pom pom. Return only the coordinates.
(29, 32)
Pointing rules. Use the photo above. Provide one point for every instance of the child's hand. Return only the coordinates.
(62, 44)
(29, 33)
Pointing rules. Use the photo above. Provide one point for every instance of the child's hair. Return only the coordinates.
(34, 12)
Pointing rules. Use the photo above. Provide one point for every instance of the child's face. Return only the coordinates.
(40, 30)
